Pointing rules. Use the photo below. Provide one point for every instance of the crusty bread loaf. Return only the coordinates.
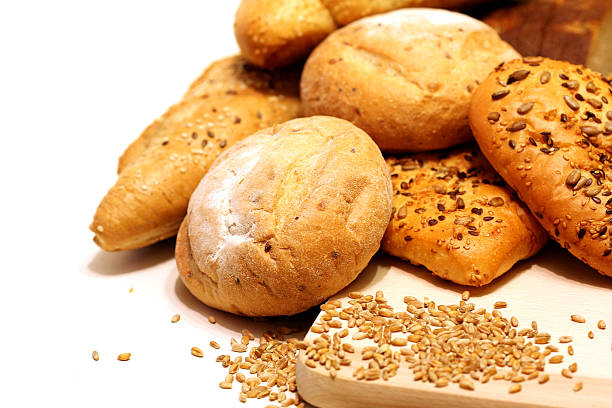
(546, 127)
(159, 170)
(274, 33)
(576, 31)
(405, 77)
(454, 215)
(285, 218)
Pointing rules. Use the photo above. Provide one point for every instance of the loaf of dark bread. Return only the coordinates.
(576, 31)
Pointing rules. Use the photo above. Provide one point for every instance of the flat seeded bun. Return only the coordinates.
(454, 215)
(546, 127)
(405, 77)
(285, 218)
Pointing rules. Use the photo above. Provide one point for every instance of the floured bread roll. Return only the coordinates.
(546, 127)
(285, 218)
(453, 215)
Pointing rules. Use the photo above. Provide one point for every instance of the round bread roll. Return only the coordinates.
(453, 214)
(546, 127)
(405, 77)
(285, 218)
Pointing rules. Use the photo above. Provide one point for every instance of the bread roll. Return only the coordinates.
(285, 218)
(576, 31)
(454, 215)
(274, 33)
(546, 127)
(405, 77)
(159, 170)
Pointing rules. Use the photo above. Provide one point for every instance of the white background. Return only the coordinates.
(79, 80)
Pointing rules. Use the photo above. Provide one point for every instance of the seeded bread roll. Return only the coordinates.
(159, 170)
(285, 218)
(546, 127)
(274, 33)
(454, 215)
(405, 77)
(576, 31)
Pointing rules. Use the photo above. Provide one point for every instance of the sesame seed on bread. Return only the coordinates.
(557, 154)
(160, 169)
(454, 215)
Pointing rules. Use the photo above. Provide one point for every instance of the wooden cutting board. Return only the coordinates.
(547, 289)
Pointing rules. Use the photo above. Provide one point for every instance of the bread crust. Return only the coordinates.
(405, 77)
(454, 215)
(347, 11)
(564, 30)
(551, 142)
(159, 170)
(274, 33)
(285, 219)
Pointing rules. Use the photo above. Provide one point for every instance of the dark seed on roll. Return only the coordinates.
(573, 177)
(516, 126)
(493, 116)
(499, 94)
(571, 102)
(525, 108)
(517, 76)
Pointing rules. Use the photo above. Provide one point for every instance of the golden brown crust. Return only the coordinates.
(566, 30)
(405, 77)
(160, 169)
(347, 11)
(274, 33)
(454, 215)
(546, 127)
(285, 218)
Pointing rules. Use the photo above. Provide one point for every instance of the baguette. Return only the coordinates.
(159, 170)
(274, 33)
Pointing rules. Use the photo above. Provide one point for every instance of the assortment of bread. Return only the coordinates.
(276, 214)
(405, 77)
(285, 218)
(274, 33)
(546, 127)
(454, 215)
(159, 170)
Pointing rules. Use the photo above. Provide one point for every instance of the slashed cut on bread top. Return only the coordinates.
(546, 127)
(454, 215)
